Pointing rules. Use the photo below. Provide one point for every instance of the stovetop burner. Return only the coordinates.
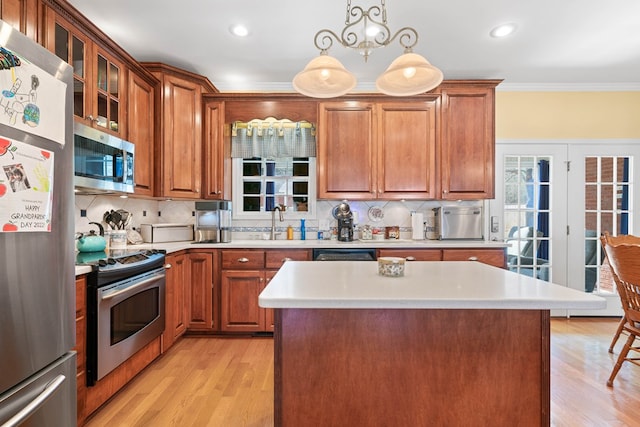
(118, 258)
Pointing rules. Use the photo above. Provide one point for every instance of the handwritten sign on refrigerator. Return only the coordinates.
(30, 98)
(26, 187)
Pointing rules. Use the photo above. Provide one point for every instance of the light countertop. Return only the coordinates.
(171, 247)
(444, 284)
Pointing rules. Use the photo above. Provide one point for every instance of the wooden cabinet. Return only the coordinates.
(22, 15)
(242, 280)
(141, 119)
(200, 291)
(412, 254)
(99, 78)
(217, 153)
(495, 257)
(177, 290)
(179, 108)
(346, 162)
(369, 150)
(467, 140)
(406, 136)
(81, 347)
(245, 273)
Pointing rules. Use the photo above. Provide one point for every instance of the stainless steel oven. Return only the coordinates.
(125, 309)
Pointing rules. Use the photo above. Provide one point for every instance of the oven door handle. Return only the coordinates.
(128, 288)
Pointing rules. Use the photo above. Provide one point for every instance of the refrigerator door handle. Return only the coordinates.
(36, 403)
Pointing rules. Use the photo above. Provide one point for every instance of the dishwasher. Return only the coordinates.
(344, 254)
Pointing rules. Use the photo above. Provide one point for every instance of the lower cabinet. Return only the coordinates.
(80, 348)
(495, 257)
(200, 291)
(245, 273)
(177, 281)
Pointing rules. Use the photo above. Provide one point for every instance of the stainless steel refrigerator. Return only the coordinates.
(37, 276)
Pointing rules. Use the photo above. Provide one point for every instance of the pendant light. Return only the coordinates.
(409, 74)
(326, 77)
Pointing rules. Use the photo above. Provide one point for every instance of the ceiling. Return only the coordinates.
(568, 43)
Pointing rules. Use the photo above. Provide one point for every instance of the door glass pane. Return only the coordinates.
(62, 43)
(607, 208)
(113, 80)
(102, 73)
(527, 187)
(78, 97)
(78, 57)
(102, 110)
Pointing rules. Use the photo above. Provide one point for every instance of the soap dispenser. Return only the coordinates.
(303, 231)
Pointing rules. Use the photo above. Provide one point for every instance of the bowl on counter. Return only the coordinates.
(391, 266)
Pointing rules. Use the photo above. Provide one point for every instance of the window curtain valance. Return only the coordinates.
(273, 138)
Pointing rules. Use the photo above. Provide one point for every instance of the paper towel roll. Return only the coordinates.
(417, 226)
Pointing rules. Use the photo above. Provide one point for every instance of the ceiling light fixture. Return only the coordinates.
(409, 74)
(239, 30)
(503, 30)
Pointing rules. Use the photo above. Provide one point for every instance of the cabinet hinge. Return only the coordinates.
(568, 162)
(568, 231)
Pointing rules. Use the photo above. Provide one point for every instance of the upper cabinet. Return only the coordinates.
(99, 78)
(467, 140)
(22, 15)
(346, 163)
(379, 149)
(141, 118)
(217, 156)
(179, 164)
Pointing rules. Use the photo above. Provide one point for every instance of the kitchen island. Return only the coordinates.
(450, 343)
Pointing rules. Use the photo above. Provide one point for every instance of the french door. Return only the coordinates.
(552, 203)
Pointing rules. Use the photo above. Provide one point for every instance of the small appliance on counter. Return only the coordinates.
(162, 233)
(459, 222)
(345, 222)
(213, 222)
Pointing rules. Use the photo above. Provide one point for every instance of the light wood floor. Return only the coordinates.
(229, 382)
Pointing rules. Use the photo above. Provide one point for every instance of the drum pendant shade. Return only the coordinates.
(324, 77)
(409, 74)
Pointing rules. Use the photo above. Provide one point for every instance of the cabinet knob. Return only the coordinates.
(285, 259)
(91, 118)
(410, 258)
(473, 258)
(243, 260)
(167, 266)
(445, 191)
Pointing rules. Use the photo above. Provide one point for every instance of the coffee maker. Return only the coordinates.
(213, 222)
(345, 222)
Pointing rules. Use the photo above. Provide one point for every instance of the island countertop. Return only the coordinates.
(425, 285)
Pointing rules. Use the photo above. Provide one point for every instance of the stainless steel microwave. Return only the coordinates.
(103, 163)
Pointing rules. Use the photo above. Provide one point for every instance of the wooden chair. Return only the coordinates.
(625, 266)
(624, 239)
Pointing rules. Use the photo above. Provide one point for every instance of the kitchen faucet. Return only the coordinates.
(281, 209)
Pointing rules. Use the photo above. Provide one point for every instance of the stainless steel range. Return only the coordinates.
(125, 307)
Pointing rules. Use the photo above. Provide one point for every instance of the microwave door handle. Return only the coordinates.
(127, 289)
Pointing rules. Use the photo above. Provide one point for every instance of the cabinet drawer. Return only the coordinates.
(275, 258)
(242, 260)
(495, 257)
(413, 254)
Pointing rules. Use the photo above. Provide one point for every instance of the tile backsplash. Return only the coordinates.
(144, 211)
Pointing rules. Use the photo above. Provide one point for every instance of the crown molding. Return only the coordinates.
(569, 87)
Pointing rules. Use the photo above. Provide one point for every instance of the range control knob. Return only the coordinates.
(111, 261)
(102, 262)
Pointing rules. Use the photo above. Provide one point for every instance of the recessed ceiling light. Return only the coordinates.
(503, 30)
(239, 30)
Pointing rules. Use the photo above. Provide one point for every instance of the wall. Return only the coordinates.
(567, 115)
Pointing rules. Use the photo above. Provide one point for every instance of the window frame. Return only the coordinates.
(238, 193)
